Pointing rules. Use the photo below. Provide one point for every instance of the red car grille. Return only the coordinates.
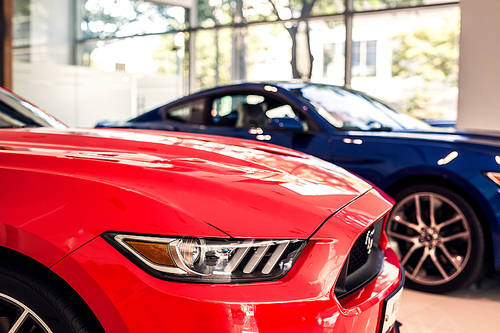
(363, 263)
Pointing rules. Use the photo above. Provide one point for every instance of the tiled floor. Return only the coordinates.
(475, 309)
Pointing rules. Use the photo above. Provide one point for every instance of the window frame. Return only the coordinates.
(350, 11)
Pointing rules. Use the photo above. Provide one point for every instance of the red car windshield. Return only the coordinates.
(16, 112)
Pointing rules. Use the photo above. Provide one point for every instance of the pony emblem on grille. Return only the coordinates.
(369, 240)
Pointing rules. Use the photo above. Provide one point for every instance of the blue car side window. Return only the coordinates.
(189, 113)
(250, 111)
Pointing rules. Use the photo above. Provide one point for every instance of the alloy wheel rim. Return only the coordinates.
(431, 236)
(17, 317)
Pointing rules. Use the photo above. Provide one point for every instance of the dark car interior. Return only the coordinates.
(247, 111)
(233, 111)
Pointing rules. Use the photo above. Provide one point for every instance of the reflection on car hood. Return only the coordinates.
(243, 188)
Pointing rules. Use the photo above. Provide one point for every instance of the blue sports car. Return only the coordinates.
(446, 222)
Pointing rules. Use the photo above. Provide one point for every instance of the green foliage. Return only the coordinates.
(208, 65)
(205, 12)
(214, 12)
(376, 4)
(117, 17)
(22, 8)
(430, 52)
(325, 7)
(165, 56)
(417, 105)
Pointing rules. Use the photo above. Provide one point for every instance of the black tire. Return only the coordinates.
(47, 299)
(471, 270)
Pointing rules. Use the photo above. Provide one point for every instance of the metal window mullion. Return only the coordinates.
(191, 45)
(75, 31)
(6, 39)
(348, 15)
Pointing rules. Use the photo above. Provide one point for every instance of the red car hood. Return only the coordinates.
(242, 188)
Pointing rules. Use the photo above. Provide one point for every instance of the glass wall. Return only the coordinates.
(144, 52)
(266, 53)
(38, 38)
(403, 51)
(100, 59)
(256, 47)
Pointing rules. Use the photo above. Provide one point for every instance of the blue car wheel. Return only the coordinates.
(438, 238)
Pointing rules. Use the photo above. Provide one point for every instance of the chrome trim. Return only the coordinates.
(238, 257)
(255, 259)
(275, 257)
(243, 247)
(173, 250)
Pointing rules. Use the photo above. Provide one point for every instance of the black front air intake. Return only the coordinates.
(363, 263)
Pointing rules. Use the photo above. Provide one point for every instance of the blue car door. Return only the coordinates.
(361, 155)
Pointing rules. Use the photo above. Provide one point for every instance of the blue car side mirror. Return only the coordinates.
(285, 123)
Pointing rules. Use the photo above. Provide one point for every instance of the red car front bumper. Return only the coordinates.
(125, 298)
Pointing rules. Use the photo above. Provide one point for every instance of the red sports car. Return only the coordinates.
(116, 231)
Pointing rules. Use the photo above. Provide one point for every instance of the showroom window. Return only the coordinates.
(145, 53)
(122, 56)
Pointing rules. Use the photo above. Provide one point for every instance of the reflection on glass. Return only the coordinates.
(352, 110)
(303, 175)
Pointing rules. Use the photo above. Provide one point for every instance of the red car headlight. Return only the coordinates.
(206, 260)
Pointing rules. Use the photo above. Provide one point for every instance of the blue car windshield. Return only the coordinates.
(353, 111)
